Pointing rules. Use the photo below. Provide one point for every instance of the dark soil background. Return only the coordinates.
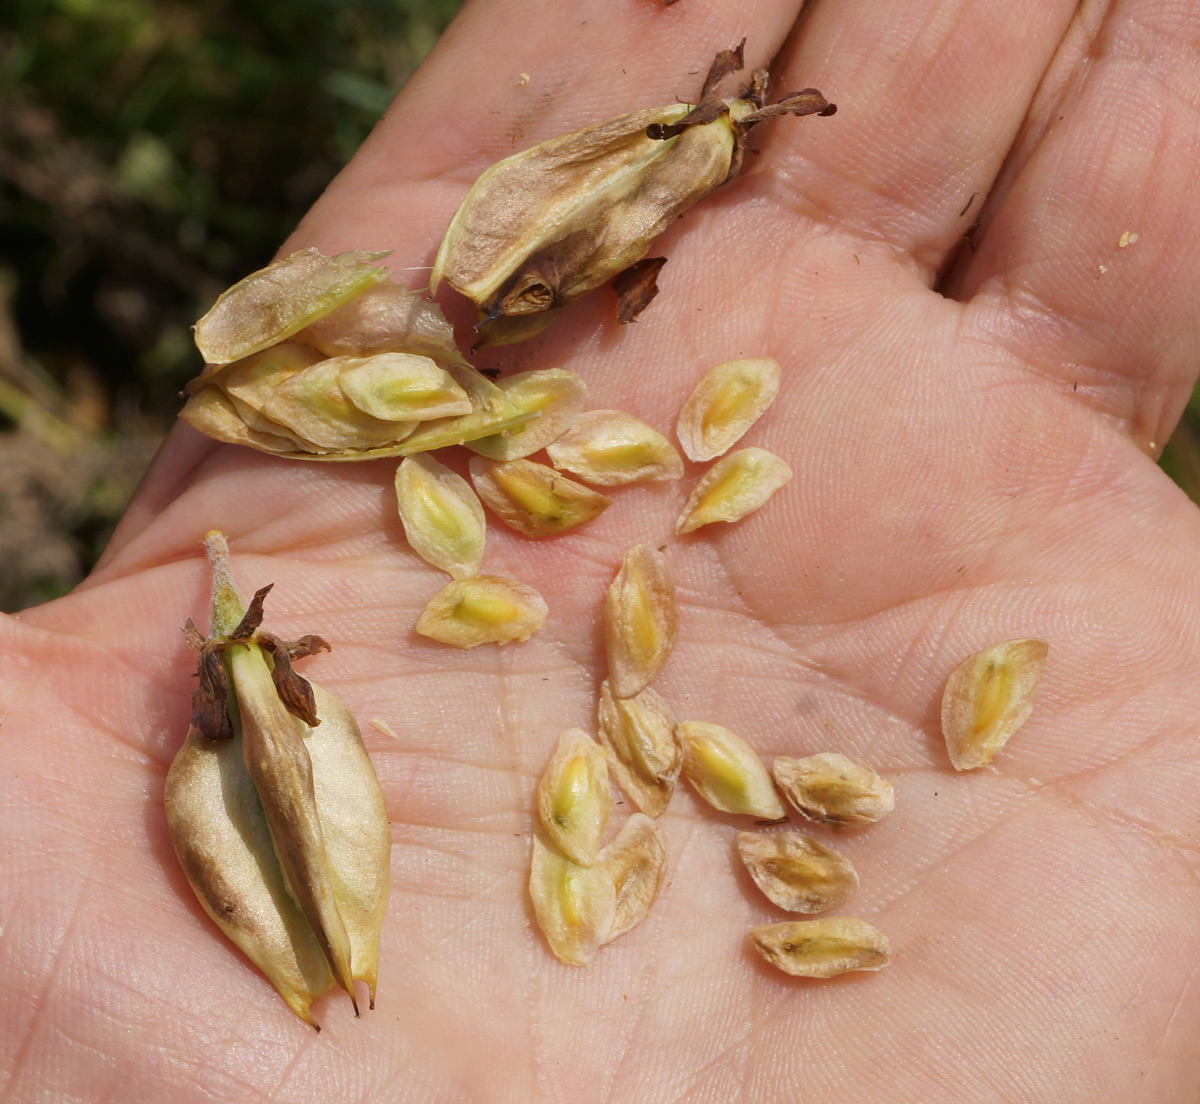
(152, 152)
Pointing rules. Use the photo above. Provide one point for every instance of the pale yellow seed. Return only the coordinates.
(638, 735)
(574, 905)
(795, 872)
(401, 387)
(736, 485)
(641, 620)
(822, 948)
(831, 788)
(442, 516)
(573, 797)
(987, 698)
(484, 609)
(726, 402)
(535, 499)
(610, 448)
(491, 412)
(551, 396)
(724, 770)
(636, 860)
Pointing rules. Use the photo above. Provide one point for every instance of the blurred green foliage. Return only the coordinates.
(152, 152)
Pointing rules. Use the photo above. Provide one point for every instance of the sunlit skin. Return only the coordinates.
(973, 432)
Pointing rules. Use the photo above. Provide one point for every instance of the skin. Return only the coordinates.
(973, 433)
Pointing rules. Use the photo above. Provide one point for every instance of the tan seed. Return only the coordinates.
(831, 788)
(573, 797)
(610, 448)
(795, 872)
(724, 770)
(535, 499)
(726, 402)
(636, 860)
(638, 735)
(987, 698)
(735, 486)
(641, 620)
(442, 516)
(574, 905)
(822, 948)
(552, 397)
(485, 609)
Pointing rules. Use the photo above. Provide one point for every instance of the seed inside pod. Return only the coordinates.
(735, 486)
(641, 620)
(637, 862)
(485, 609)
(987, 698)
(724, 770)
(535, 499)
(726, 402)
(795, 872)
(573, 797)
(638, 735)
(610, 448)
(834, 789)
(442, 516)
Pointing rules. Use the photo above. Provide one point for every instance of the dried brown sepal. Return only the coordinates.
(988, 697)
(275, 302)
(734, 487)
(551, 397)
(574, 905)
(442, 516)
(832, 788)
(636, 860)
(294, 690)
(485, 609)
(249, 624)
(638, 735)
(636, 288)
(306, 646)
(725, 771)
(210, 704)
(610, 448)
(641, 620)
(726, 402)
(708, 107)
(573, 797)
(535, 499)
(822, 948)
(795, 872)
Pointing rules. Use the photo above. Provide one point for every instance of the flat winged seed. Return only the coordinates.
(726, 402)
(573, 797)
(822, 948)
(574, 905)
(636, 860)
(442, 516)
(724, 770)
(249, 382)
(534, 499)
(401, 387)
(552, 395)
(795, 872)
(610, 448)
(638, 735)
(736, 485)
(988, 697)
(485, 609)
(491, 412)
(641, 620)
(831, 788)
(281, 299)
(212, 412)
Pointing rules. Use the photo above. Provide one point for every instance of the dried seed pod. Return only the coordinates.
(638, 735)
(534, 499)
(442, 516)
(274, 808)
(822, 948)
(831, 788)
(641, 620)
(724, 770)
(485, 609)
(541, 228)
(795, 872)
(281, 299)
(988, 697)
(726, 402)
(551, 396)
(610, 448)
(573, 798)
(400, 387)
(574, 905)
(736, 485)
(636, 860)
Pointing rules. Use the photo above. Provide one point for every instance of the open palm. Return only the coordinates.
(972, 464)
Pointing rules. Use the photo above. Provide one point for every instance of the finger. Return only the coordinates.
(1087, 269)
(930, 95)
(511, 73)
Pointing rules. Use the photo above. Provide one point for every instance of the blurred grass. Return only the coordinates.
(151, 153)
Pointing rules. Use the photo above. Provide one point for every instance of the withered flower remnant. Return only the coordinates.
(541, 228)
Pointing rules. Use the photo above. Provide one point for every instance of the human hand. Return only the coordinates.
(972, 465)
